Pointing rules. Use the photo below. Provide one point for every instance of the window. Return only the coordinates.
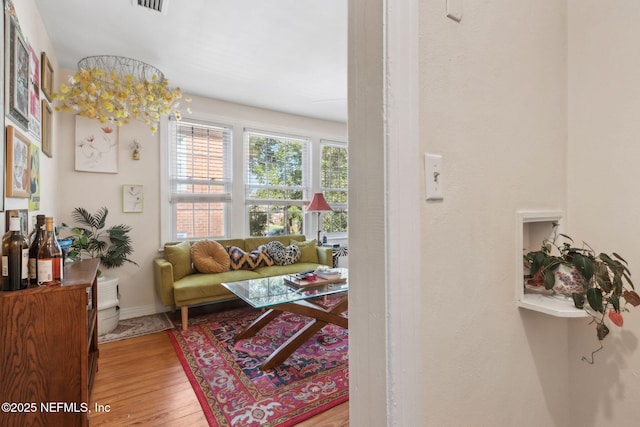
(334, 179)
(276, 183)
(199, 177)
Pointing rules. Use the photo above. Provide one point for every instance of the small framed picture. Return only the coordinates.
(47, 117)
(17, 173)
(132, 198)
(23, 214)
(47, 77)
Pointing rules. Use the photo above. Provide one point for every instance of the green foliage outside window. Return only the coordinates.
(275, 172)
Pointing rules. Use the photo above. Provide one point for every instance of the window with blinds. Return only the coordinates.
(334, 181)
(200, 177)
(277, 169)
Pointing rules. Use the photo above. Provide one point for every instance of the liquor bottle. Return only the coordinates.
(15, 258)
(49, 262)
(34, 245)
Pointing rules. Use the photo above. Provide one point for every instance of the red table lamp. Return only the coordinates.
(318, 204)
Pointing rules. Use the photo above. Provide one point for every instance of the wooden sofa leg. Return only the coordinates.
(185, 317)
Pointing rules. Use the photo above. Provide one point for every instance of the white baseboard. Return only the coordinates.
(128, 313)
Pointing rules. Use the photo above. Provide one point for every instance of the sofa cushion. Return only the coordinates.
(307, 249)
(283, 255)
(197, 288)
(241, 260)
(210, 257)
(179, 255)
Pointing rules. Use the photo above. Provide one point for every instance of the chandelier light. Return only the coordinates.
(118, 89)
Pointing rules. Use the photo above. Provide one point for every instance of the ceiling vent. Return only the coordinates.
(156, 5)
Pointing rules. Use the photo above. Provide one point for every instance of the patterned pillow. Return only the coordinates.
(241, 260)
(261, 257)
(283, 255)
(274, 247)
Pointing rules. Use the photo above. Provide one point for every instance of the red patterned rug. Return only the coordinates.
(231, 388)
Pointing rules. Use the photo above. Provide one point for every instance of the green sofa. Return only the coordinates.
(179, 285)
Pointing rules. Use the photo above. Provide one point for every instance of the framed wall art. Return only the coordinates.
(132, 198)
(47, 77)
(18, 75)
(34, 95)
(23, 214)
(18, 164)
(96, 146)
(47, 117)
(34, 178)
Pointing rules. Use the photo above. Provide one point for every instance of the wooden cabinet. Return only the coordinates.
(49, 350)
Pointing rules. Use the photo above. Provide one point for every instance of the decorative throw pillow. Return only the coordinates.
(274, 247)
(210, 257)
(180, 258)
(308, 249)
(283, 255)
(261, 257)
(241, 260)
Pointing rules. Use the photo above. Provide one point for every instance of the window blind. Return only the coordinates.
(200, 162)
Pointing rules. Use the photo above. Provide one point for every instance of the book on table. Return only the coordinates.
(299, 281)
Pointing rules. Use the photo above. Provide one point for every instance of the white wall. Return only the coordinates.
(603, 207)
(493, 103)
(94, 190)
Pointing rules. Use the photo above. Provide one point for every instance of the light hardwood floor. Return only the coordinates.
(140, 382)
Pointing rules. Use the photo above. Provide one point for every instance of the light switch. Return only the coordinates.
(454, 10)
(433, 176)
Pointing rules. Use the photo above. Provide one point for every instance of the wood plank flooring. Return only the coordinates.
(140, 382)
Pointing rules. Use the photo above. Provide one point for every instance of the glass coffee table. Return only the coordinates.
(277, 295)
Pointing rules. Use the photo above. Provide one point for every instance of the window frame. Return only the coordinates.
(345, 206)
(171, 198)
(304, 188)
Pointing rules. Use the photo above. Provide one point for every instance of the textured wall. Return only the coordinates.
(493, 103)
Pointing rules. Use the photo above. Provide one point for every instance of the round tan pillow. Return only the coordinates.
(209, 257)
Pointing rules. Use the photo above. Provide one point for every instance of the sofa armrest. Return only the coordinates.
(163, 278)
(325, 255)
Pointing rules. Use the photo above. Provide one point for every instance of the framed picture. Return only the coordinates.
(132, 198)
(17, 172)
(34, 178)
(47, 77)
(23, 214)
(34, 95)
(96, 146)
(18, 76)
(47, 117)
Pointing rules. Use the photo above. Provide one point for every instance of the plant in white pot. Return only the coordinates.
(599, 283)
(113, 247)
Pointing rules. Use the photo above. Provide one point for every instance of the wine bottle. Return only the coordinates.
(15, 258)
(49, 262)
(34, 245)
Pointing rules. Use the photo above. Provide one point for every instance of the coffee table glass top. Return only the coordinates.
(271, 291)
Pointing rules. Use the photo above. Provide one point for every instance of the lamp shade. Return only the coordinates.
(318, 204)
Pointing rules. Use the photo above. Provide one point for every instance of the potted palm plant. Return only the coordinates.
(599, 283)
(112, 246)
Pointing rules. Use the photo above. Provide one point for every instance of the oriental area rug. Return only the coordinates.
(231, 388)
